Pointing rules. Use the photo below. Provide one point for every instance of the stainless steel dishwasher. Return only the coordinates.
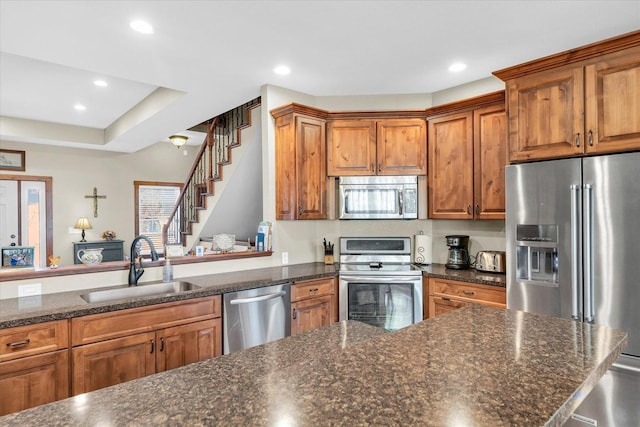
(256, 316)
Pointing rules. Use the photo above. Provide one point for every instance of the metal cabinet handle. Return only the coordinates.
(591, 138)
(379, 167)
(300, 210)
(19, 343)
(162, 344)
(477, 209)
(373, 167)
(295, 313)
(468, 209)
(314, 290)
(153, 346)
(578, 139)
(468, 292)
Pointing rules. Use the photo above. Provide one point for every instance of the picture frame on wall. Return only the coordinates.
(18, 256)
(12, 160)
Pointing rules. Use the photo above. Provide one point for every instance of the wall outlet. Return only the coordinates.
(29, 290)
(285, 257)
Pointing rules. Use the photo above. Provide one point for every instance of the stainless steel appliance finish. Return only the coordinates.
(378, 284)
(491, 261)
(378, 197)
(256, 316)
(572, 237)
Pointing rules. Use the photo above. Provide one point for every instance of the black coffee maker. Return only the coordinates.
(458, 257)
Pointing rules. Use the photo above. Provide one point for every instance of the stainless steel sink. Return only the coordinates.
(139, 291)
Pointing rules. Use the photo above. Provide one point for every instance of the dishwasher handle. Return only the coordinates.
(258, 298)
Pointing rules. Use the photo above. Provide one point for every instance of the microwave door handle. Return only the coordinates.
(400, 201)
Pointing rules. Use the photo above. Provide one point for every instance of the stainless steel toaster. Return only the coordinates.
(491, 261)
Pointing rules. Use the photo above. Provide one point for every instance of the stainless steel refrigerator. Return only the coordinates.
(573, 234)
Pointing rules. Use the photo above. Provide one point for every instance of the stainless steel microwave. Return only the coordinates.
(378, 197)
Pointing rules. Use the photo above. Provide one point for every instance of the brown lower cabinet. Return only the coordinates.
(111, 348)
(448, 295)
(34, 365)
(122, 359)
(313, 304)
(33, 381)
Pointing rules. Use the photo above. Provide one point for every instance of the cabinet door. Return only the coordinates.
(190, 343)
(451, 166)
(612, 90)
(440, 305)
(311, 168)
(310, 314)
(546, 114)
(113, 362)
(33, 381)
(490, 159)
(351, 148)
(285, 164)
(402, 147)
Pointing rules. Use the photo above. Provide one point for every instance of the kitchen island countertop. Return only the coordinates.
(479, 365)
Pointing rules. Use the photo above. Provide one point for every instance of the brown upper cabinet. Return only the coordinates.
(579, 102)
(467, 157)
(377, 147)
(300, 163)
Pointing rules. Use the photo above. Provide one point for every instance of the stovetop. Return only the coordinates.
(381, 268)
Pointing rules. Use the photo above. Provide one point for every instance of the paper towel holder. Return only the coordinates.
(422, 249)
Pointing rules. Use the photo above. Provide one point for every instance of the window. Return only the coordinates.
(154, 204)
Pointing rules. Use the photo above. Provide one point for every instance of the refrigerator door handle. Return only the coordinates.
(576, 254)
(589, 310)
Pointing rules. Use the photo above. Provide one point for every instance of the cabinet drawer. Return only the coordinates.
(100, 327)
(33, 339)
(469, 292)
(312, 288)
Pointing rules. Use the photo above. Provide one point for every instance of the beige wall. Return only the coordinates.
(76, 171)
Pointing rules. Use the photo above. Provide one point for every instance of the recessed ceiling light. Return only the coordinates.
(457, 66)
(100, 83)
(79, 107)
(142, 27)
(282, 70)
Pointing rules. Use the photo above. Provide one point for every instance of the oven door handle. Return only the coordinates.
(378, 279)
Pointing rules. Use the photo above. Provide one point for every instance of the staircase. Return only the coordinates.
(222, 136)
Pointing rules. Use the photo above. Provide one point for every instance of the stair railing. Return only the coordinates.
(223, 133)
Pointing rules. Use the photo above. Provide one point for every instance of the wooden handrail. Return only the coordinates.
(206, 169)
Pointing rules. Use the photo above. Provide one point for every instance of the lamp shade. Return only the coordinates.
(178, 140)
(82, 223)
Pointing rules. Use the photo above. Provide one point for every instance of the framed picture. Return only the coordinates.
(17, 256)
(12, 160)
(172, 251)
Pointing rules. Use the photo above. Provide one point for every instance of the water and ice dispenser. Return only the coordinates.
(537, 253)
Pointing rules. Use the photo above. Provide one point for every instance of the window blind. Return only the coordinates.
(155, 204)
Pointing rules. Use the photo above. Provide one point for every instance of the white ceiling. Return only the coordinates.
(207, 57)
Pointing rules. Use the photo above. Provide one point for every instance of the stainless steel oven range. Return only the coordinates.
(378, 283)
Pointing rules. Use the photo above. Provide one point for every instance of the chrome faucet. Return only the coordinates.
(135, 273)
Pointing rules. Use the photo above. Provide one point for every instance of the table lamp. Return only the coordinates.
(82, 224)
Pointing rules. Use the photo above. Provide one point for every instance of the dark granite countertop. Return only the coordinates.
(471, 275)
(64, 305)
(517, 369)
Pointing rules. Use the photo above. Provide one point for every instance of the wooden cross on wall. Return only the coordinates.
(95, 198)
